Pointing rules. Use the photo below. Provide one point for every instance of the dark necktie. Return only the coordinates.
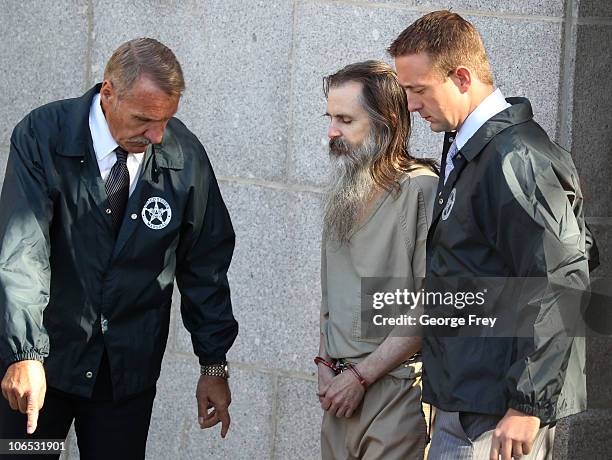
(117, 188)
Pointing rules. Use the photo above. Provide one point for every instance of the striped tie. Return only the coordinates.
(117, 188)
(449, 161)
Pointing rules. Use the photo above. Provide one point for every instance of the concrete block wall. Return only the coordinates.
(587, 115)
(253, 71)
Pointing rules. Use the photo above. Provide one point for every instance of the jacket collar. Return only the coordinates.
(75, 138)
(519, 112)
(169, 153)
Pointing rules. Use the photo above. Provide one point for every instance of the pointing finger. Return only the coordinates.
(224, 416)
(32, 413)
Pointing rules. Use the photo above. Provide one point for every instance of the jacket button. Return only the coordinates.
(459, 156)
(441, 200)
(108, 211)
(134, 216)
(89, 374)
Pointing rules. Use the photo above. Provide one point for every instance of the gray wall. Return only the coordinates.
(253, 71)
(587, 120)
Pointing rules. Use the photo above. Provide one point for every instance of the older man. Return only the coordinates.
(106, 198)
(376, 219)
(509, 205)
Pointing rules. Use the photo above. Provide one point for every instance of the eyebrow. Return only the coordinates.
(338, 115)
(145, 118)
(142, 117)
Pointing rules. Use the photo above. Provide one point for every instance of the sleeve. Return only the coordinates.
(25, 215)
(419, 222)
(324, 306)
(204, 255)
(545, 239)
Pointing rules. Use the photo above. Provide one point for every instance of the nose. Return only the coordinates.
(333, 131)
(155, 133)
(414, 103)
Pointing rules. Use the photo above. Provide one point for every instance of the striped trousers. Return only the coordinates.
(468, 437)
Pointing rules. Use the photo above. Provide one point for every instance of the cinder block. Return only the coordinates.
(530, 67)
(298, 421)
(175, 432)
(548, 8)
(72, 448)
(603, 237)
(4, 152)
(584, 436)
(592, 122)
(42, 56)
(274, 277)
(175, 315)
(599, 373)
(174, 408)
(235, 56)
(596, 8)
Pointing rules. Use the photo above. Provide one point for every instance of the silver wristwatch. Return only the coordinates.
(215, 370)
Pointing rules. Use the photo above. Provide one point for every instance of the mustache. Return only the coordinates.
(339, 147)
(138, 140)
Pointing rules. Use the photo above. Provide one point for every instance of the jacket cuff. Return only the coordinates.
(529, 409)
(207, 360)
(26, 355)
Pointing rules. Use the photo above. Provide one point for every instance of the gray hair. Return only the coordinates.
(145, 56)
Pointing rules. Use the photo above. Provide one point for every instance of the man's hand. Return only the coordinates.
(24, 386)
(343, 395)
(514, 435)
(213, 393)
(326, 375)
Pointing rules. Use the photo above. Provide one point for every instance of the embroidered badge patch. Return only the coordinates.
(156, 213)
(449, 204)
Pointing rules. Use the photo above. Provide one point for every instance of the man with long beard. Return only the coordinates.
(376, 219)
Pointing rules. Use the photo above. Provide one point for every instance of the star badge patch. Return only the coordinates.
(156, 213)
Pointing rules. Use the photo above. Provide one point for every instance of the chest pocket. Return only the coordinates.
(381, 254)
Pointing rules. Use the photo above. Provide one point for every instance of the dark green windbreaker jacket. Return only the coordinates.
(516, 211)
(68, 289)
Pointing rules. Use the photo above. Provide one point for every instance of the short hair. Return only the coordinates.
(449, 40)
(145, 57)
(384, 99)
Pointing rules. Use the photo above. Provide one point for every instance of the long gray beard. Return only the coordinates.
(349, 190)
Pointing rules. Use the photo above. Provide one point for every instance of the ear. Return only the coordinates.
(462, 76)
(108, 93)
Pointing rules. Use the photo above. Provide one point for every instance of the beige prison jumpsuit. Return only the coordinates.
(390, 243)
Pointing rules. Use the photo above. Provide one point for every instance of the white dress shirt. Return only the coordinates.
(489, 107)
(104, 145)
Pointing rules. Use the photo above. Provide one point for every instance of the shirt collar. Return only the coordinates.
(490, 106)
(103, 142)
